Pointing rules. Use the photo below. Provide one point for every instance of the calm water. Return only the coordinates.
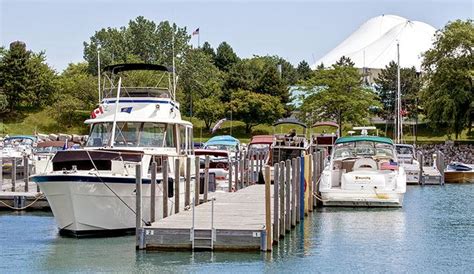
(433, 232)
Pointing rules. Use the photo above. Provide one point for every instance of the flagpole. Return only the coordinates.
(199, 38)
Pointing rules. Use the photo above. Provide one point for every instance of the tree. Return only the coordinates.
(42, 82)
(77, 83)
(225, 57)
(344, 61)
(303, 70)
(338, 94)
(65, 110)
(448, 93)
(3, 102)
(141, 40)
(209, 110)
(14, 73)
(200, 78)
(410, 85)
(254, 108)
(207, 48)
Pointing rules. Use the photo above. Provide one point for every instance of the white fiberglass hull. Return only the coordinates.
(86, 208)
(362, 199)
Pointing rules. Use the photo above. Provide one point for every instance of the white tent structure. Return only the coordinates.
(374, 44)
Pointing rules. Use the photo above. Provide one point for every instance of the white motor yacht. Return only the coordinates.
(407, 159)
(363, 171)
(92, 190)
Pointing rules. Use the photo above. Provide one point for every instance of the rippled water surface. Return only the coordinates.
(433, 232)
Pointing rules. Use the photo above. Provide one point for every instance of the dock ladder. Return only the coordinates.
(203, 238)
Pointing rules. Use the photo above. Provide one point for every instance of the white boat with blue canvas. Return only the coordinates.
(92, 190)
(363, 171)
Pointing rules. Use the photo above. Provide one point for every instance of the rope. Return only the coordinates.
(25, 207)
(116, 195)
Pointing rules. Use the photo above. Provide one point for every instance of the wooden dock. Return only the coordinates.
(239, 223)
(251, 218)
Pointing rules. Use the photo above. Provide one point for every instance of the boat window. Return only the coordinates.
(360, 149)
(132, 134)
(152, 135)
(404, 150)
(182, 138)
(126, 134)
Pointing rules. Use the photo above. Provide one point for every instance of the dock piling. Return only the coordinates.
(26, 172)
(187, 187)
(276, 191)
(138, 208)
(153, 191)
(288, 196)
(197, 181)
(230, 175)
(281, 222)
(165, 187)
(206, 178)
(13, 174)
(268, 209)
(294, 164)
(298, 189)
(176, 186)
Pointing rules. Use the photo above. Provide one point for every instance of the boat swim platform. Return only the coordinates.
(239, 224)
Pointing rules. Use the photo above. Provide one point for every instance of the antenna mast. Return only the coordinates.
(399, 100)
(174, 70)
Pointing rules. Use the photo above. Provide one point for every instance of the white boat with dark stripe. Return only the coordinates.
(92, 191)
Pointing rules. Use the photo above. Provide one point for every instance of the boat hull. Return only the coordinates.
(459, 177)
(359, 199)
(85, 208)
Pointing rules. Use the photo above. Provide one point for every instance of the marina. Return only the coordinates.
(421, 234)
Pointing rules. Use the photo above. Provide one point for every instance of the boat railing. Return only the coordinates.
(161, 92)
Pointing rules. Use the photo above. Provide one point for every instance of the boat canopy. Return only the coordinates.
(326, 124)
(222, 140)
(262, 139)
(32, 138)
(376, 139)
(114, 69)
(292, 121)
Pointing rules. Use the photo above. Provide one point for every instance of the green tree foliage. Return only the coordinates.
(209, 110)
(254, 108)
(303, 70)
(344, 61)
(65, 110)
(3, 102)
(199, 78)
(141, 40)
(337, 94)
(260, 74)
(207, 48)
(410, 85)
(25, 78)
(76, 82)
(225, 57)
(448, 96)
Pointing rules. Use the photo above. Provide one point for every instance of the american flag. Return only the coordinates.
(196, 32)
(389, 166)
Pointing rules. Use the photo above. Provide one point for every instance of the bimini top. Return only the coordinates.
(222, 140)
(326, 124)
(292, 121)
(376, 139)
(262, 139)
(114, 69)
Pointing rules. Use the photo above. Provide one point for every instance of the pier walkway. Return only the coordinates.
(238, 220)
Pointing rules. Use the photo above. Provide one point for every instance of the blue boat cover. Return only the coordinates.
(222, 140)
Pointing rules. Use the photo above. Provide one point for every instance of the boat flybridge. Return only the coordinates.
(363, 171)
(92, 190)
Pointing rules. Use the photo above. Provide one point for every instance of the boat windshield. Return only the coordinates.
(404, 150)
(363, 149)
(132, 134)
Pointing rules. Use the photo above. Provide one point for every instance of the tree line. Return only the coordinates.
(217, 83)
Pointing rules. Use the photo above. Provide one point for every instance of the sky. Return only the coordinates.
(294, 30)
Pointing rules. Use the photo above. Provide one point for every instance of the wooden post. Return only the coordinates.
(13, 174)
(276, 215)
(242, 172)
(440, 164)
(298, 190)
(153, 191)
(165, 186)
(302, 205)
(26, 172)
(294, 164)
(197, 181)
(206, 178)
(230, 175)
(288, 196)
(138, 199)
(420, 161)
(282, 199)
(187, 187)
(309, 183)
(245, 169)
(176, 186)
(253, 172)
(247, 172)
(268, 210)
(237, 174)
